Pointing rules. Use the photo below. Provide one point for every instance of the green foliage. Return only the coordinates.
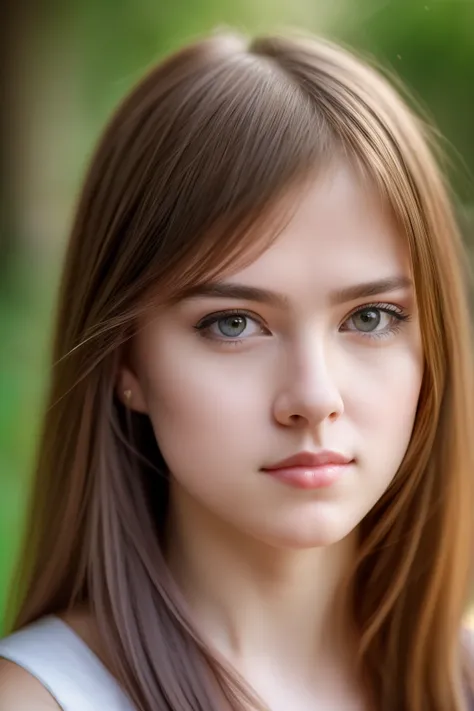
(24, 323)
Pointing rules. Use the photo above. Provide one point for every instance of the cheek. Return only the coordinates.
(204, 409)
(384, 402)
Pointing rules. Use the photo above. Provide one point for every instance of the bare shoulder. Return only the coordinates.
(21, 691)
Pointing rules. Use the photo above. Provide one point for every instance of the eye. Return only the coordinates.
(370, 319)
(230, 326)
(376, 320)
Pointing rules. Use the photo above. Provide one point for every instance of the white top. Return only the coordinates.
(75, 677)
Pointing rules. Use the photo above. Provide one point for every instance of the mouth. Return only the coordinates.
(311, 470)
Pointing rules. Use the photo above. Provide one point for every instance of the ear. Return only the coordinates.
(129, 388)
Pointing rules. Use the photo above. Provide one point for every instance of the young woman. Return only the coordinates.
(254, 484)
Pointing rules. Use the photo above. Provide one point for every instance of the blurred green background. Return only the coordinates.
(68, 65)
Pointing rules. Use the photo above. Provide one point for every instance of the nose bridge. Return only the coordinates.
(310, 388)
(315, 364)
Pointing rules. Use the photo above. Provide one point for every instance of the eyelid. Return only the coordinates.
(223, 313)
(387, 306)
(399, 315)
(203, 327)
(204, 324)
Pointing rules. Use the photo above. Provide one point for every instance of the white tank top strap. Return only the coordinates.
(75, 677)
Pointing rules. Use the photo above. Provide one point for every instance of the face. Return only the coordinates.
(314, 347)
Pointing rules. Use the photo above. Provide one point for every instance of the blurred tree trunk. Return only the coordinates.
(33, 127)
(16, 24)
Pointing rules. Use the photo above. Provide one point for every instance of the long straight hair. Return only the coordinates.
(185, 181)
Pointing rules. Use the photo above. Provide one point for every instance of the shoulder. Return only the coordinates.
(21, 691)
(49, 662)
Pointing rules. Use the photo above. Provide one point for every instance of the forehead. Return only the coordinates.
(340, 233)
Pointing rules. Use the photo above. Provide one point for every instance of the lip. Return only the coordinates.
(311, 460)
(310, 470)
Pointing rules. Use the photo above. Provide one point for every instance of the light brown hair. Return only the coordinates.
(184, 180)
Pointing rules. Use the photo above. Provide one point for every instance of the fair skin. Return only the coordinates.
(324, 368)
(303, 376)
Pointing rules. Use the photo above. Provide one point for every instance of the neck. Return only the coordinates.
(255, 601)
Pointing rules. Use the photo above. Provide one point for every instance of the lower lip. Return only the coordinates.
(309, 477)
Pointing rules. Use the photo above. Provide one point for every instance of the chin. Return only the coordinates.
(302, 538)
(318, 526)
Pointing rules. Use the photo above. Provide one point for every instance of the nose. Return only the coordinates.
(309, 395)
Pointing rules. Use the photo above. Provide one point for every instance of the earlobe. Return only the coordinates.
(129, 391)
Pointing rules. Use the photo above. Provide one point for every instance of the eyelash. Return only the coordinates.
(397, 312)
(204, 325)
(400, 315)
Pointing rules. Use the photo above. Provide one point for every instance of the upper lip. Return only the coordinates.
(311, 459)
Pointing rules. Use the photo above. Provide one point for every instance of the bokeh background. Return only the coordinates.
(66, 65)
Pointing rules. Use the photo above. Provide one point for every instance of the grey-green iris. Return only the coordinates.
(366, 320)
(229, 325)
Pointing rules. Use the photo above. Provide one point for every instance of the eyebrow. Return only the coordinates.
(244, 292)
